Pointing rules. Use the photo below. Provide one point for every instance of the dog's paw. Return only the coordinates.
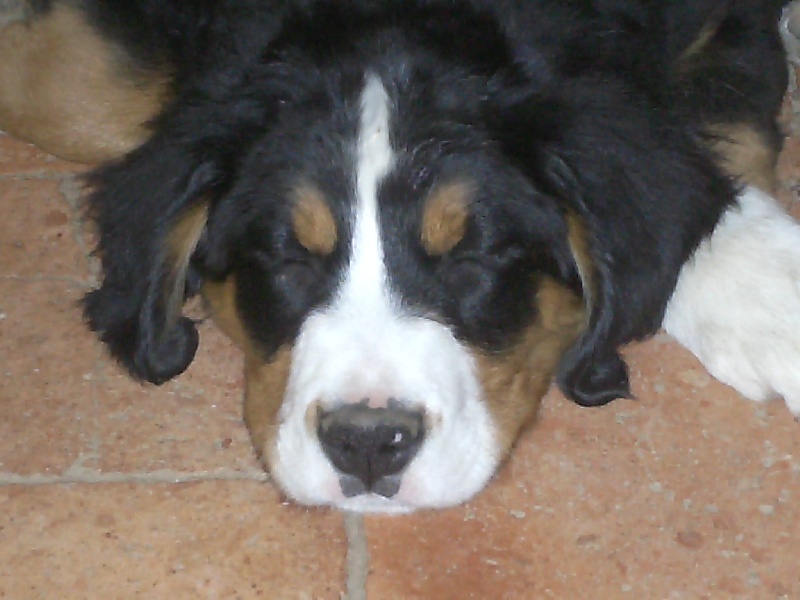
(737, 302)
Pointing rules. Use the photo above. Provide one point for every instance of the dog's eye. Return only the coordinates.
(277, 262)
(298, 273)
(293, 272)
(463, 274)
(467, 267)
(495, 257)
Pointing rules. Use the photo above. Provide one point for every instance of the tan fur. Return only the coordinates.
(220, 299)
(181, 243)
(515, 381)
(745, 154)
(66, 90)
(265, 384)
(444, 222)
(265, 381)
(580, 245)
(313, 221)
(694, 54)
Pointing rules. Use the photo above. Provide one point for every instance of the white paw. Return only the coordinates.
(737, 302)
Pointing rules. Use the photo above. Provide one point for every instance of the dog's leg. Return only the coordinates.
(737, 302)
(68, 90)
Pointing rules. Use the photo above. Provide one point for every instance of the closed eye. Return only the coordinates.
(296, 276)
(495, 257)
(277, 258)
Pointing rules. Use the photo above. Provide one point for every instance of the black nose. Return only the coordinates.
(371, 446)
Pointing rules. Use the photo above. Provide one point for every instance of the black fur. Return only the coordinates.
(552, 107)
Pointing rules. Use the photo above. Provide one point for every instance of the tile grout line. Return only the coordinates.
(357, 562)
(39, 175)
(72, 193)
(84, 475)
(47, 279)
(98, 378)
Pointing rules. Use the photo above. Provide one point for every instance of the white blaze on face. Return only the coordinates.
(364, 346)
(366, 278)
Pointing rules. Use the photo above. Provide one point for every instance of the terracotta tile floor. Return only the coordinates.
(109, 489)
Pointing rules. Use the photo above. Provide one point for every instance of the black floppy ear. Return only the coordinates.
(639, 198)
(150, 211)
(591, 372)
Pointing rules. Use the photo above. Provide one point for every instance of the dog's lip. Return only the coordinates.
(372, 503)
(387, 487)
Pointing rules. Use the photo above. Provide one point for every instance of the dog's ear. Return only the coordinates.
(591, 372)
(150, 209)
(638, 199)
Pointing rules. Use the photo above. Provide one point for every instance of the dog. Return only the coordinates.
(413, 216)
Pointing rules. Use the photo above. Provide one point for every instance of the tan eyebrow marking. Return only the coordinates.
(313, 221)
(444, 222)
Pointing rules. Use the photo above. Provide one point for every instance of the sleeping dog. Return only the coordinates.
(414, 215)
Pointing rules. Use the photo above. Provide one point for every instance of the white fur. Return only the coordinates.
(365, 346)
(737, 302)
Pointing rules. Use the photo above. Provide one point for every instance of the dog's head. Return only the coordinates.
(408, 235)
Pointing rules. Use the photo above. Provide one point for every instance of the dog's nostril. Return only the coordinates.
(371, 444)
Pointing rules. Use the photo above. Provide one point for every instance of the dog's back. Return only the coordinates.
(717, 62)
(732, 78)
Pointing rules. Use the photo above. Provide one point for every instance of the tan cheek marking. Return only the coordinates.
(745, 154)
(515, 381)
(265, 381)
(444, 222)
(67, 90)
(265, 385)
(313, 221)
(220, 299)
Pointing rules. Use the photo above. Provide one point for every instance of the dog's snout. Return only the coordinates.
(371, 446)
